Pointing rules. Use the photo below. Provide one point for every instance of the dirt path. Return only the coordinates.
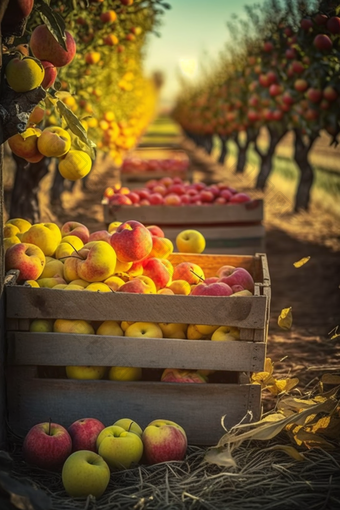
(312, 290)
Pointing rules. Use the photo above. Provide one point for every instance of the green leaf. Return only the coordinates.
(54, 22)
(76, 126)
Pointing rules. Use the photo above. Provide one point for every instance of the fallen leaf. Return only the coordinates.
(285, 319)
(301, 262)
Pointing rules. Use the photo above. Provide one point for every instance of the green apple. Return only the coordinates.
(119, 448)
(129, 425)
(41, 326)
(84, 473)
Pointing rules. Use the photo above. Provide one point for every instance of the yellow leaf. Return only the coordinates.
(301, 262)
(290, 450)
(285, 319)
(220, 457)
(283, 385)
(311, 440)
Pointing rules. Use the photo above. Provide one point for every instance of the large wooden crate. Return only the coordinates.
(199, 408)
(234, 228)
(137, 179)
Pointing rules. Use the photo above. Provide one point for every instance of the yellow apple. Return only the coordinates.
(125, 324)
(180, 287)
(206, 329)
(98, 287)
(97, 262)
(51, 282)
(73, 326)
(73, 286)
(85, 372)
(144, 330)
(22, 224)
(41, 326)
(9, 241)
(85, 472)
(119, 448)
(240, 293)
(70, 268)
(78, 281)
(110, 328)
(122, 267)
(226, 333)
(113, 226)
(125, 374)
(60, 286)
(68, 245)
(53, 267)
(130, 426)
(114, 282)
(33, 283)
(54, 142)
(190, 241)
(194, 334)
(173, 330)
(45, 235)
(10, 230)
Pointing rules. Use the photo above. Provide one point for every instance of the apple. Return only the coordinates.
(236, 276)
(120, 200)
(119, 448)
(173, 330)
(20, 223)
(85, 473)
(132, 241)
(182, 376)
(97, 261)
(74, 228)
(162, 247)
(213, 289)
(144, 330)
(41, 326)
(139, 285)
(84, 433)
(157, 271)
(194, 334)
(45, 235)
(50, 74)
(85, 372)
(54, 141)
(73, 326)
(125, 374)
(97, 287)
(47, 445)
(180, 287)
(110, 328)
(100, 235)
(188, 271)
(114, 282)
(190, 241)
(52, 268)
(225, 333)
(68, 245)
(155, 230)
(323, 43)
(239, 198)
(28, 258)
(164, 441)
(172, 199)
(165, 291)
(129, 426)
(45, 47)
(51, 282)
(156, 199)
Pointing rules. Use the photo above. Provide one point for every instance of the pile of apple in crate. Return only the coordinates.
(122, 351)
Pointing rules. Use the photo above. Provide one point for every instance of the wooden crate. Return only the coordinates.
(197, 407)
(236, 228)
(137, 179)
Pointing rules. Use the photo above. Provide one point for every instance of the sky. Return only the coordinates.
(192, 31)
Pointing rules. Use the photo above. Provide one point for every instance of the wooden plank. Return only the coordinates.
(198, 408)
(248, 312)
(193, 215)
(59, 349)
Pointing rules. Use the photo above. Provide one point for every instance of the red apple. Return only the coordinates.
(236, 276)
(182, 376)
(156, 199)
(212, 289)
(119, 199)
(239, 198)
(333, 25)
(132, 241)
(84, 433)
(134, 197)
(100, 235)
(206, 196)
(74, 228)
(164, 441)
(47, 446)
(50, 74)
(156, 231)
(323, 43)
(28, 258)
(157, 271)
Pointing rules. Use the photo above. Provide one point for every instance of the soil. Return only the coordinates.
(307, 350)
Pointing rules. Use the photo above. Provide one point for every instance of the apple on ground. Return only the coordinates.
(47, 445)
(119, 448)
(190, 241)
(84, 433)
(85, 473)
(164, 441)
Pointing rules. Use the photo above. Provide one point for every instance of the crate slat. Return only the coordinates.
(198, 408)
(70, 349)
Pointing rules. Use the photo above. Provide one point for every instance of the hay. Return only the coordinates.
(266, 480)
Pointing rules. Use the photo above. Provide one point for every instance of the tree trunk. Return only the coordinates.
(241, 158)
(224, 150)
(208, 143)
(301, 152)
(24, 199)
(57, 188)
(267, 158)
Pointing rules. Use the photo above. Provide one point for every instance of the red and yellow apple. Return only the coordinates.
(28, 258)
